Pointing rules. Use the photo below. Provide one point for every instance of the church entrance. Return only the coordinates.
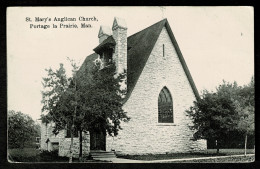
(97, 141)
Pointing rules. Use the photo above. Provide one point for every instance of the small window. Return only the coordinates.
(106, 57)
(163, 50)
(165, 107)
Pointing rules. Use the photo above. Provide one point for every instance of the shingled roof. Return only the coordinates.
(139, 47)
(108, 42)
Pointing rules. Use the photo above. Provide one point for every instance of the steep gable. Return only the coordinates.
(139, 48)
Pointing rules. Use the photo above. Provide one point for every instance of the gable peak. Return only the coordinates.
(119, 23)
(104, 30)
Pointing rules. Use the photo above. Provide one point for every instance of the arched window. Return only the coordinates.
(165, 107)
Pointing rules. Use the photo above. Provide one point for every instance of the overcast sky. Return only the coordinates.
(217, 43)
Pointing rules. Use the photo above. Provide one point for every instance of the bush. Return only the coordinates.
(49, 155)
(24, 155)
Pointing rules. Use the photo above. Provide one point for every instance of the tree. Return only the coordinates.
(228, 110)
(215, 115)
(58, 101)
(245, 108)
(87, 101)
(105, 99)
(100, 100)
(22, 130)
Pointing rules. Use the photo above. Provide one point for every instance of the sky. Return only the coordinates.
(217, 44)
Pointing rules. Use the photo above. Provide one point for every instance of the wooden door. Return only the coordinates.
(97, 141)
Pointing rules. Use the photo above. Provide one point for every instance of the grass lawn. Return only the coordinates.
(206, 153)
(240, 159)
(230, 151)
(34, 155)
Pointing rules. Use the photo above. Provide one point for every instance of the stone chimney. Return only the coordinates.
(103, 33)
(119, 29)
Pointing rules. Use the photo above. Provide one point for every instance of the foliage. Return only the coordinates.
(245, 108)
(212, 114)
(22, 130)
(99, 103)
(59, 99)
(55, 85)
(49, 155)
(75, 104)
(34, 155)
(228, 110)
(105, 96)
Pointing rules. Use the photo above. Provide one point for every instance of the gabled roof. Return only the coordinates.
(109, 41)
(104, 30)
(84, 71)
(139, 47)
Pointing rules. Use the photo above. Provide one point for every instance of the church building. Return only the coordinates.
(159, 91)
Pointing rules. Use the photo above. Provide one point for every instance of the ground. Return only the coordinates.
(34, 155)
(207, 153)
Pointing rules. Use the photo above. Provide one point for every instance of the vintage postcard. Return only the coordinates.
(157, 84)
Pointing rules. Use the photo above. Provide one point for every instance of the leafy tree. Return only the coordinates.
(245, 108)
(85, 102)
(22, 130)
(217, 114)
(105, 100)
(59, 99)
(100, 98)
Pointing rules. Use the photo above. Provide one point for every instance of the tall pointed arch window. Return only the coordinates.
(165, 106)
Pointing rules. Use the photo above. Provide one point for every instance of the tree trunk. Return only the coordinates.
(217, 147)
(80, 145)
(71, 143)
(245, 143)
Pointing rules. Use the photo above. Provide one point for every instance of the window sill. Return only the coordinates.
(166, 124)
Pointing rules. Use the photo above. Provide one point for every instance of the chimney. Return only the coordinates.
(119, 29)
(120, 35)
(103, 33)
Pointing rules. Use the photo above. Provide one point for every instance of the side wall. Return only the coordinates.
(143, 134)
(64, 148)
(64, 143)
(46, 133)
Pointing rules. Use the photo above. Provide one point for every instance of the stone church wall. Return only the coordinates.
(143, 134)
(64, 148)
(46, 133)
(62, 142)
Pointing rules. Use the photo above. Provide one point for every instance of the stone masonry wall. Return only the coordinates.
(120, 53)
(64, 143)
(43, 136)
(46, 133)
(64, 146)
(143, 134)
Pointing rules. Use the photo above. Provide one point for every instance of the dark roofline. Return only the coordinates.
(184, 65)
(180, 56)
(108, 42)
(154, 42)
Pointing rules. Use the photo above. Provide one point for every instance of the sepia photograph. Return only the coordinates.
(157, 84)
